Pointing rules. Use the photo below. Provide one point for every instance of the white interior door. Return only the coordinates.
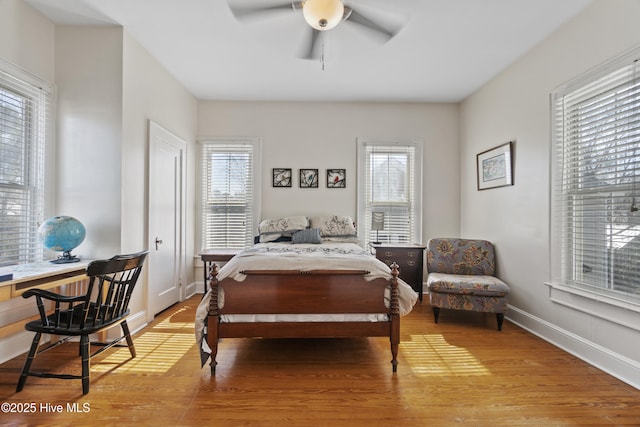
(166, 218)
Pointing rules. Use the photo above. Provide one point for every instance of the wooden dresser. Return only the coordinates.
(410, 258)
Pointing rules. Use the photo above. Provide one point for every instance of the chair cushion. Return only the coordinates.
(466, 284)
(460, 256)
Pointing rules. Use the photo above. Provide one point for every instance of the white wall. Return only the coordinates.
(515, 106)
(89, 134)
(27, 38)
(151, 93)
(323, 135)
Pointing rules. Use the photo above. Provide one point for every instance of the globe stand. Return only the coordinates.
(65, 258)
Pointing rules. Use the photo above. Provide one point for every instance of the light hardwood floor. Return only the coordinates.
(459, 372)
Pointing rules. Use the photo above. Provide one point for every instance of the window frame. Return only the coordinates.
(365, 204)
(37, 130)
(256, 191)
(564, 282)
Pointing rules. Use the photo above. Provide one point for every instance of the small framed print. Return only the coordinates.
(281, 177)
(494, 167)
(308, 178)
(336, 178)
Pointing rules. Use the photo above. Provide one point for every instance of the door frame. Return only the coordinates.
(153, 130)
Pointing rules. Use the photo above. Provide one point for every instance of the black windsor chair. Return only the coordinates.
(106, 303)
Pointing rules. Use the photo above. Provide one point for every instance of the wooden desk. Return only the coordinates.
(209, 256)
(42, 275)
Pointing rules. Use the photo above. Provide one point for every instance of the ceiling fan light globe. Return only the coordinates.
(323, 14)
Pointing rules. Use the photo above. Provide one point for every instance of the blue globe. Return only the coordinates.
(62, 234)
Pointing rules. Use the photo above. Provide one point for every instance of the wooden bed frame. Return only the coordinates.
(303, 292)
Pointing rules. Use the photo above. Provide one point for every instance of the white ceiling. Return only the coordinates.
(445, 51)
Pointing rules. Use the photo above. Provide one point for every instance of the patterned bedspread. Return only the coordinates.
(325, 249)
(286, 256)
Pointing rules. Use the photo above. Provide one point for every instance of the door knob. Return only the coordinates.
(158, 242)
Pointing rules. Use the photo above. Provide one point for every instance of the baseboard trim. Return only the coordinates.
(137, 321)
(192, 288)
(15, 345)
(614, 364)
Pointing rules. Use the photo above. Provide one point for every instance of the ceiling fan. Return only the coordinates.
(321, 16)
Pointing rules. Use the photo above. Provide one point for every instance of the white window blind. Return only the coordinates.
(25, 120)
(389, 178)
(596, 174)
(230, 197)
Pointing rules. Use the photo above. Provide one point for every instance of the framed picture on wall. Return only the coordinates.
(494, 167)
(308, 178)
(281, 177)
(336, 178)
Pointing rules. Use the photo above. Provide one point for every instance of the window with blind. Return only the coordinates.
(230, 192)
(596, 174)
(389, 176)
(25, 106)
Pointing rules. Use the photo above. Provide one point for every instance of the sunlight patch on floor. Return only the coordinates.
(432, 355)
(157, 350)
(170, 323)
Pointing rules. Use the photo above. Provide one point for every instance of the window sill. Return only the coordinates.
(623, 313)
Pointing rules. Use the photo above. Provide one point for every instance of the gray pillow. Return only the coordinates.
(308, 235)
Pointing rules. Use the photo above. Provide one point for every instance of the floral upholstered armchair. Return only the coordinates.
(461, 276)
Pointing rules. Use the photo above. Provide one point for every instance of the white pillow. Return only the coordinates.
(333, 226)
(283, 225)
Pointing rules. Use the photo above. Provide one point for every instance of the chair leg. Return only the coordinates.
(27, 363)
(436, 313)
(500, 318)
(127, 335)
(84, 352)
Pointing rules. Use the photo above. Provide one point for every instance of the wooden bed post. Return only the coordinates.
(213, 318)
(395, 316)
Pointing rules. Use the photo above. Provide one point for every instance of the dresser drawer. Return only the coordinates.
(407, 259)
(410, 261)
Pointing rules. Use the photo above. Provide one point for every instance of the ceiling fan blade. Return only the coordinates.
(309, 50)
(247, 11)
(354, 16)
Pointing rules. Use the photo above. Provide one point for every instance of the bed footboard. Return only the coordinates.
(300, 292)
